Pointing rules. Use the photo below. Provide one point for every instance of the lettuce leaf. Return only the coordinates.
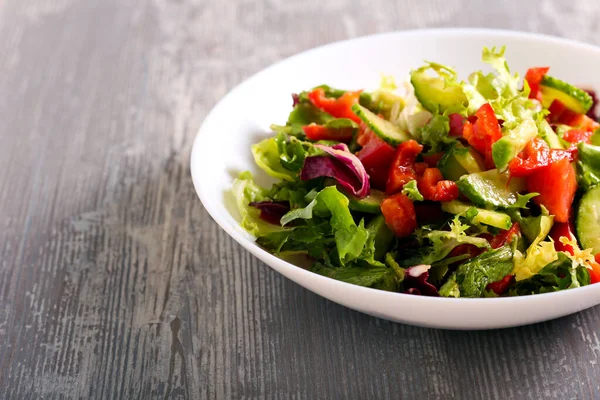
(501, 90)
(539, 254)
(474, 275)
(450, 288)
(557, 275)
(266, 156)
(382, 278)
(588, 165)
(435, 136)
(411, 190)
(246, 191)
(350, 239)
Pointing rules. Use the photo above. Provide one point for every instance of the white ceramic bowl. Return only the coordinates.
(222, 150)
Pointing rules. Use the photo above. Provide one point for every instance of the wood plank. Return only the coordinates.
(115, 282)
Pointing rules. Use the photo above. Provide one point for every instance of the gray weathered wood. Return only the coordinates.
(115, 282)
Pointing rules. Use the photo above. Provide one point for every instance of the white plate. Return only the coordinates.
(222, 150)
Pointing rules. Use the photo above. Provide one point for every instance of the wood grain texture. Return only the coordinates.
(115, 282)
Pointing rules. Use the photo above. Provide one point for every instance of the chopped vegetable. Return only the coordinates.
(436, 186)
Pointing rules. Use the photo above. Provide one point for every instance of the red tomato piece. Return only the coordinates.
(483, 133)
(500, 287)
(575, 136)
(399, 213)
(403, 167)
(535, 156)
(505, 237)
(340, 107)
(534, 77)
(320, 132)
(560, 114)
(563, 229)
(433, 186)
(556, 185)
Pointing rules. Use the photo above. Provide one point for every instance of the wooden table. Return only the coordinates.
(115, 282)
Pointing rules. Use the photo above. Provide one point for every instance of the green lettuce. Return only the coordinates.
(450, 288)
(435, 136)
(329, 203)
(411, 190)
(588, 165)
(501, 90)
(266, 156)
(245, 191)
(557, 275)
(474, 275)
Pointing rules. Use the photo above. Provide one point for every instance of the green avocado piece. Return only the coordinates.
(458, 161)
(507, 148)
(491, 189)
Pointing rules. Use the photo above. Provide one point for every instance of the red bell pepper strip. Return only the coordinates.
(399, 213)
(320, 132)
(432, 160)
(483, 133)
(433, 187)
(505, 237)
(340, 107)
(556, 185)
(534, 77)
(403, 167)
(560, 114)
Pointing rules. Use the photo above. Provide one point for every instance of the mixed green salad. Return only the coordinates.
(437, 187)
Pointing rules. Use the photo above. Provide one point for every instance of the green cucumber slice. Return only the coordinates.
(572, 97)
(587, 224)
(382, 128)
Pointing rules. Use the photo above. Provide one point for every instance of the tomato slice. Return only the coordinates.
(560, 114)
(534, 77)
(403, 167)
(340, 107)
(575, 136)
(535, 156)
(556, 185)
(320, 132)
(399, 213)
(484, 132)
(433, 187)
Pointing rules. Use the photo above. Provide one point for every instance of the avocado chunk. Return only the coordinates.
(546, 132)
(507, 148)
(382, 234)
(491, 189)
(487, 217)
(369, 204)
(458, 161)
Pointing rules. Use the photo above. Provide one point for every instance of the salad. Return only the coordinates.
(436, 187)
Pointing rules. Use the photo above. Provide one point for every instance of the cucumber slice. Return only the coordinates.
(434, 94)
(491, 188)
(507, 148)
(370, 204)
(587, 225)
(382, 128)
(573, 98)
(546, 132)
(487, 217)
